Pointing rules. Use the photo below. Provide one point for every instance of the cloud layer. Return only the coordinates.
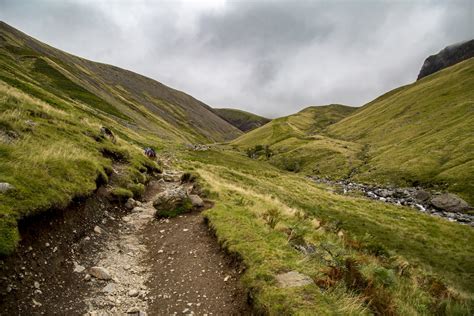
(268, 57)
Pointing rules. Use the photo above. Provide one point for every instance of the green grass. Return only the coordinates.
(245, 189)
(56, 156)
(421, 133)
(243, 120)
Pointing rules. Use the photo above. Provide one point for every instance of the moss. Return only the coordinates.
(121, 194)
(9, 236)
(174, 210)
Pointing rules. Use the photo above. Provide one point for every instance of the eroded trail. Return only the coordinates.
(164, 267)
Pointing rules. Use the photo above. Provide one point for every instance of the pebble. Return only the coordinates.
(133, 293)
(98, 230)
(100, 273)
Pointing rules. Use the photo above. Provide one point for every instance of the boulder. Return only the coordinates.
(100, 273)
(293, 279)
(4, 187)
(130, 204)
(196, 200)
(171, 202)
(450, 203)
(422, 195)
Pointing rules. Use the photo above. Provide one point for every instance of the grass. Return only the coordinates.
(56, 156)
(416, 135)
(380, 238)
(420, 133)
(243, 120)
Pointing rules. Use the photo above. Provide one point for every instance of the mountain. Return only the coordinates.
(243, 120)
(449, 56)
(65, 122)
(419, 134)
(130, 98)
(73, 152)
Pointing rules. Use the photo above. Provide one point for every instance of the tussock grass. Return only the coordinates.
(359, 264)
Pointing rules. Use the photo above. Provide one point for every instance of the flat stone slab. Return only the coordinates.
(293, 279)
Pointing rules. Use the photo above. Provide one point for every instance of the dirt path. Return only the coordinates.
(166, 267)
(142, 266)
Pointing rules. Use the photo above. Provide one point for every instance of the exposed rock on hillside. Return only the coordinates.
(449, 56)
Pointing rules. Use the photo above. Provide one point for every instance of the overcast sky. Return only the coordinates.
(268, 57)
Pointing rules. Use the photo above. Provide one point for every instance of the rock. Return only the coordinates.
(196, 200)
(385, 193)
(130, 204)
(227, 278)
(109, 288)
(100, 273)
(133, 293)
(36, 285)
(449, 56)
(78, 268)
(172, 199)
(98, 230)
(171, 177)
(5, 187)
(136, 312)
(87, 277)
(293, 279)
(449, 202)
(422, 195)
(36, 303)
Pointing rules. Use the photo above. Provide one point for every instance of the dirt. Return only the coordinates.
(159, 267)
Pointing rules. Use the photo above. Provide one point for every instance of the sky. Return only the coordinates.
(270, 57)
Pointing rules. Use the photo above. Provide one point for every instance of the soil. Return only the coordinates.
(159, 267)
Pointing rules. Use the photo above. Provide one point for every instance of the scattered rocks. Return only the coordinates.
(5, 187)
(197, 147)
(293, 279)
(100, 273)
(444, 205)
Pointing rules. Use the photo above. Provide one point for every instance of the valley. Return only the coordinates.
(120, 195)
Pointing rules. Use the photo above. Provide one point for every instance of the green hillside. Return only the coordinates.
(298, 143)
(421, 133)
(134, 100)
(361, 256)
(245, 121)
(52, 107)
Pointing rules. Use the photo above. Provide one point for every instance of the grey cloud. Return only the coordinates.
(269, 57)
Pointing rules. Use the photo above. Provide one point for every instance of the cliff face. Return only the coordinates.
(447, 57)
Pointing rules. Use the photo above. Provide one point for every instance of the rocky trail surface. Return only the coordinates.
(129, 263)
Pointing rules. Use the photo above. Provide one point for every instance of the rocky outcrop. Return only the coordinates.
(449, 56)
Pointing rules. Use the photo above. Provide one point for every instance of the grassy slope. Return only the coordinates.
(420, 133)
(245, 189)
(298, 142)
(243, 120)
(142, 102)
(52, 106)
